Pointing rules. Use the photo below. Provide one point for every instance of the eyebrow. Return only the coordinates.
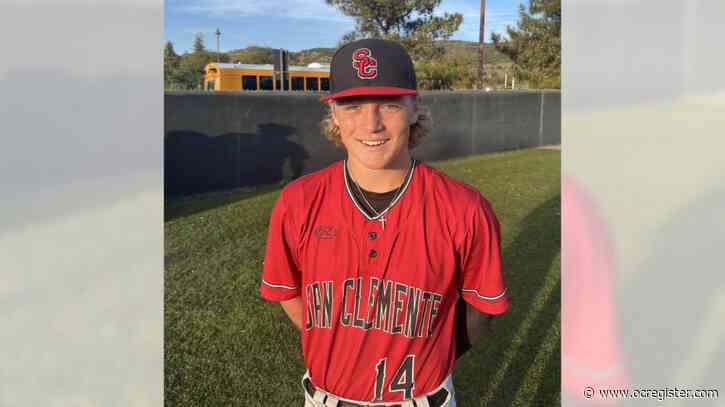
(378, 99)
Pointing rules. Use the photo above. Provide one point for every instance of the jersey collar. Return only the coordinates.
(406, 183)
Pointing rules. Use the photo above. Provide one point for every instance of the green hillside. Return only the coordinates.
(266, 55)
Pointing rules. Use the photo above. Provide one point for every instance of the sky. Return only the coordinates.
(300, 24)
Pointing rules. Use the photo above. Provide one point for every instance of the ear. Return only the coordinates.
(334, 114)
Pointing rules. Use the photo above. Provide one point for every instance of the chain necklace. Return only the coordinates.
(382, 219)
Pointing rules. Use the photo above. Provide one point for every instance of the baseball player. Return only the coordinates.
(373, 257)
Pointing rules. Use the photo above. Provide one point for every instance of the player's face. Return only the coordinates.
(375, 129)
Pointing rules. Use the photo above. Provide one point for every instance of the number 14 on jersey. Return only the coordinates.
(402, 380)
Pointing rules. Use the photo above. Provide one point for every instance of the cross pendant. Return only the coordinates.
(382, 222)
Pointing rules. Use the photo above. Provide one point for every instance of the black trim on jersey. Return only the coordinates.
(406, 183)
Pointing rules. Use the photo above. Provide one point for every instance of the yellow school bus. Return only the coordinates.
(234, 76)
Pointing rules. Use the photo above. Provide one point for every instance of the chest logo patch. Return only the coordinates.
(325, 232)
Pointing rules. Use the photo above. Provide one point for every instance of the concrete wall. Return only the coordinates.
(236, 139)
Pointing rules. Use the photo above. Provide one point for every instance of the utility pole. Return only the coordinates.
(218, 34)
(481, 51)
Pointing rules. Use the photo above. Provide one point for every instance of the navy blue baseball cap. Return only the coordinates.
(371, 67)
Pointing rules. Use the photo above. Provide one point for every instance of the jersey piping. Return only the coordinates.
(483, 297)
(279, 285)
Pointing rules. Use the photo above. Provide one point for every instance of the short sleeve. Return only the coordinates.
(482, 284)
(280, 272)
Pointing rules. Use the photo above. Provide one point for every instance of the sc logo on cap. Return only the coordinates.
(365, 65)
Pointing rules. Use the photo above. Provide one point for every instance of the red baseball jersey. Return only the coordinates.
(380, 298)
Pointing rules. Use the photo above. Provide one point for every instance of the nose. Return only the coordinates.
(372, 119)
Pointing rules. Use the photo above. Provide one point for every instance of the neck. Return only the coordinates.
(379, 180)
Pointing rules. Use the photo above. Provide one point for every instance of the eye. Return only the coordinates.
(351, 108)
(391, 107)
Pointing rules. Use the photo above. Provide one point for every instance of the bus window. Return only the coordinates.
(311, 84)
(249, 82)
(210, 85)
(324, 83)
(298, 83)
(266, 83)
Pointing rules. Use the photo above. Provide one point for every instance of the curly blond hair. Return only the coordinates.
(418, 130)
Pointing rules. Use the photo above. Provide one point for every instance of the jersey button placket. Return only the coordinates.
(372, 251)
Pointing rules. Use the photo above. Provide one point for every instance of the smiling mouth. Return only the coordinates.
(373, 143)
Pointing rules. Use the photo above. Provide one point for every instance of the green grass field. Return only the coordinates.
(225, 346)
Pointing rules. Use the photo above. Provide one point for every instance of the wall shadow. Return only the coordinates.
(196, 163)
(527, 260)
(287, 140)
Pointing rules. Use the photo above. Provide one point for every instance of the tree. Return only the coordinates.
(198, 45)
(186, 71)
(435, 74)
(191, 68)
(453, 71)
(171, 67)
(169, 52)
(534, 45)
(410, 22)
